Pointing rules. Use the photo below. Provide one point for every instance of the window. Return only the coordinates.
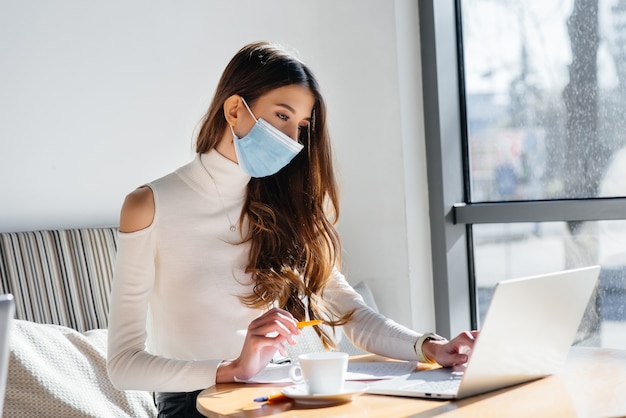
(526, 145)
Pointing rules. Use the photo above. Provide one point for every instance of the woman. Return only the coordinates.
(219, 260)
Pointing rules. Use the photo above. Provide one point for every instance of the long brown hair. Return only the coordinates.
(294, 244)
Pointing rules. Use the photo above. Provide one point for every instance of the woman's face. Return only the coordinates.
(286, 108)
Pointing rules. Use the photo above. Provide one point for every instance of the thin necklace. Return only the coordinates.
(233, 227)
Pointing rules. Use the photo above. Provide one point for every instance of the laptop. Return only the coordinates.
(526, 335)
(7, 311)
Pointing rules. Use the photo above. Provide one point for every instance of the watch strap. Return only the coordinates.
(429, 336)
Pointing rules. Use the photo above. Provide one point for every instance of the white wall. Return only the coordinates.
(99, 97)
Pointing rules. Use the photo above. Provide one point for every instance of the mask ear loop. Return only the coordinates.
(249, 110)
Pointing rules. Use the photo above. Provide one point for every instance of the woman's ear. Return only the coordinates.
(231, 109)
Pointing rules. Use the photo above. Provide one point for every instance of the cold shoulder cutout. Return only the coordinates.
(138, 210)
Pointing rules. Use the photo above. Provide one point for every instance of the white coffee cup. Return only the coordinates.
(324, 373)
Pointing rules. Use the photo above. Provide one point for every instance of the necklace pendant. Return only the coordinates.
(233, 228)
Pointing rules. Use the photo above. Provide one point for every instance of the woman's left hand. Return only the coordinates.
(453, 352)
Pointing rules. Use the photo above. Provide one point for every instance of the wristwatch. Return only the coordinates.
(429, 336)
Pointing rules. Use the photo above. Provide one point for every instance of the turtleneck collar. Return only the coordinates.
(212, 169)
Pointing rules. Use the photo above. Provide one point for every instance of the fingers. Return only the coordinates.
(266, 334)
(458, 359)
(458, 350)
(464, 346)
(276, 324)
(465, 338)
(271, 331)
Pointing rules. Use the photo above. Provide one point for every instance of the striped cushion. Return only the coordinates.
(60, 277)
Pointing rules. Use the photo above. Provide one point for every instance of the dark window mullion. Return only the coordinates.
(541, 211)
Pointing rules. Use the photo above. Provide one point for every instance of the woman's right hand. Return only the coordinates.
(266, 335)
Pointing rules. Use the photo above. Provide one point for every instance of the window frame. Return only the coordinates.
(451, 213)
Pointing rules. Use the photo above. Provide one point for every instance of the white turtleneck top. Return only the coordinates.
(175, 313)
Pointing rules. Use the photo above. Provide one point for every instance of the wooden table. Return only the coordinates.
(591, 384)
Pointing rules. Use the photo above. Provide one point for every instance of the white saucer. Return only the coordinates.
(300, 394)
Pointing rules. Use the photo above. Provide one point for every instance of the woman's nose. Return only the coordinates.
(293, 132)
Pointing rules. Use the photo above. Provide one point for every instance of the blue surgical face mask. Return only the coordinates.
(265, 149)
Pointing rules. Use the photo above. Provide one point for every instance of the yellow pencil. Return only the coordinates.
(270, 398)
(303, 324)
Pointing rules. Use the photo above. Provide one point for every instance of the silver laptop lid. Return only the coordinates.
(7, 311)
(528, 329)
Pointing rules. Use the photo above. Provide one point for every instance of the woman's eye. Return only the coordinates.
(282, 116)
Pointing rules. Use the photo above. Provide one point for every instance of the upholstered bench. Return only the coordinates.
(61, 281)
(60, 277)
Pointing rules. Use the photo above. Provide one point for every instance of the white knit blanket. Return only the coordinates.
(56, 371)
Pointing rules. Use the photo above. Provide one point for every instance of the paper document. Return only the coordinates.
(279, 373)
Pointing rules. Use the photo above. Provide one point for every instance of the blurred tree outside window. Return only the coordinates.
(544, 84)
